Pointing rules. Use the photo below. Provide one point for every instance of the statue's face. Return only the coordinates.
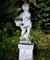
(25, 7)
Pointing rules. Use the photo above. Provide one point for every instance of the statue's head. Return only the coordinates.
(25, 7)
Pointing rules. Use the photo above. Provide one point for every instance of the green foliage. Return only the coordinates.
(40, 39)
(7, 27)
(42, 55)
(40, 15)
(9, 47)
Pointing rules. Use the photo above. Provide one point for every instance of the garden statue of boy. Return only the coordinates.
(24, 22)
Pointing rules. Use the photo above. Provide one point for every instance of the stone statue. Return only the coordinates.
(24, 22)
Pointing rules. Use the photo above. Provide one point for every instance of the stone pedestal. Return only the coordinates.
(25, 42)
(25, 51)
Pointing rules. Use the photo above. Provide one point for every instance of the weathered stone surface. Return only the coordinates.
(25, 52)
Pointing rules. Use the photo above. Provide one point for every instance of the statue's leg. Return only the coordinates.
(23, 32)
(28, 31)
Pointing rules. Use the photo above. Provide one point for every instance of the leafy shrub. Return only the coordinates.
(9, 47)
(40, 39)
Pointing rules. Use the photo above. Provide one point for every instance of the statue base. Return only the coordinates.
(25, 42)
(25, 51)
